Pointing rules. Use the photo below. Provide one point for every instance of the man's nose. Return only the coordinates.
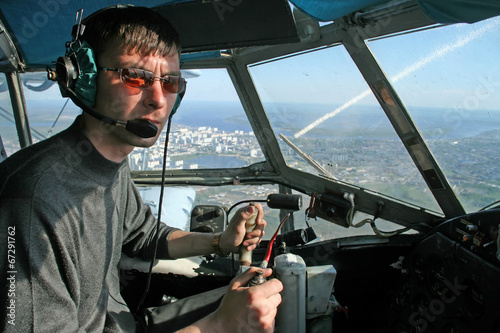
(156, 96)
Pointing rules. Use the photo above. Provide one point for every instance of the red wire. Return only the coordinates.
(270, 245)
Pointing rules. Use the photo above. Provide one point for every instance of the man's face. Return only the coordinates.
(123, 102)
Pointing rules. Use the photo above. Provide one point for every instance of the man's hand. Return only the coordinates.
(248, 309)
(236, 234)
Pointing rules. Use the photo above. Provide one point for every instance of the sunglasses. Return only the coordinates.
(139, 78)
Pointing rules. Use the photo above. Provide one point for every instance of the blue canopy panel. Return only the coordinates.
(328, 10)
(441, 11)
(457, 11)
(186, 57)
(38, 26)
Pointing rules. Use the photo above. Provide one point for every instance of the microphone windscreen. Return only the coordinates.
(143, 128)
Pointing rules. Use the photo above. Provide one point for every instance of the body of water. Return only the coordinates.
(369, 121)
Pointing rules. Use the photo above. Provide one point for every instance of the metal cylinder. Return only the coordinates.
(291, 271)
(284, 201)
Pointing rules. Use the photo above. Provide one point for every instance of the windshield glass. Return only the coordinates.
(318, 103)
(210, 129)
(449, 80)
(48, 113)
(8, 131)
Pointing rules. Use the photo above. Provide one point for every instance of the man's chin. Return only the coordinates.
(143, 142)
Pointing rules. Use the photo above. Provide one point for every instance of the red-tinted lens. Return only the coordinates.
(137, 78)
(173, 83)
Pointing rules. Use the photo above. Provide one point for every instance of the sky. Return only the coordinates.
(435, 65)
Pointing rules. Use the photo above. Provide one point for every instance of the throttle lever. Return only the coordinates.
(245, 255)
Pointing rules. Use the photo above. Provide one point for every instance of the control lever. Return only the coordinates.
(279, 201)
(245, 255)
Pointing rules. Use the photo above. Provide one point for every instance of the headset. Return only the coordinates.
(76, 74)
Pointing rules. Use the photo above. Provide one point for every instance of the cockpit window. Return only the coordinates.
(8, 131)
(210, 129)
(48, 113)
(321, 108)
(449, 80)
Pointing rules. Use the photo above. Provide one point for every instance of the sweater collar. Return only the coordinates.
(87, 159)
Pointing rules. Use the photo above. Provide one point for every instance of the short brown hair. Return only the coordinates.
(137, 28)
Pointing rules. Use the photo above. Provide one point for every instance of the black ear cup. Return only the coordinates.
(67, 72)
(78, 71)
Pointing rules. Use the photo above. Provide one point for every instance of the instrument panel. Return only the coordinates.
(451, 279)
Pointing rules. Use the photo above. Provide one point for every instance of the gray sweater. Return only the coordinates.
(66, 215)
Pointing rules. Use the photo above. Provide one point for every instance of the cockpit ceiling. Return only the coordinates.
(37, 28)
(442, 11)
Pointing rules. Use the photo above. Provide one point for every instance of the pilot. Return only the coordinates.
(69, 208)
